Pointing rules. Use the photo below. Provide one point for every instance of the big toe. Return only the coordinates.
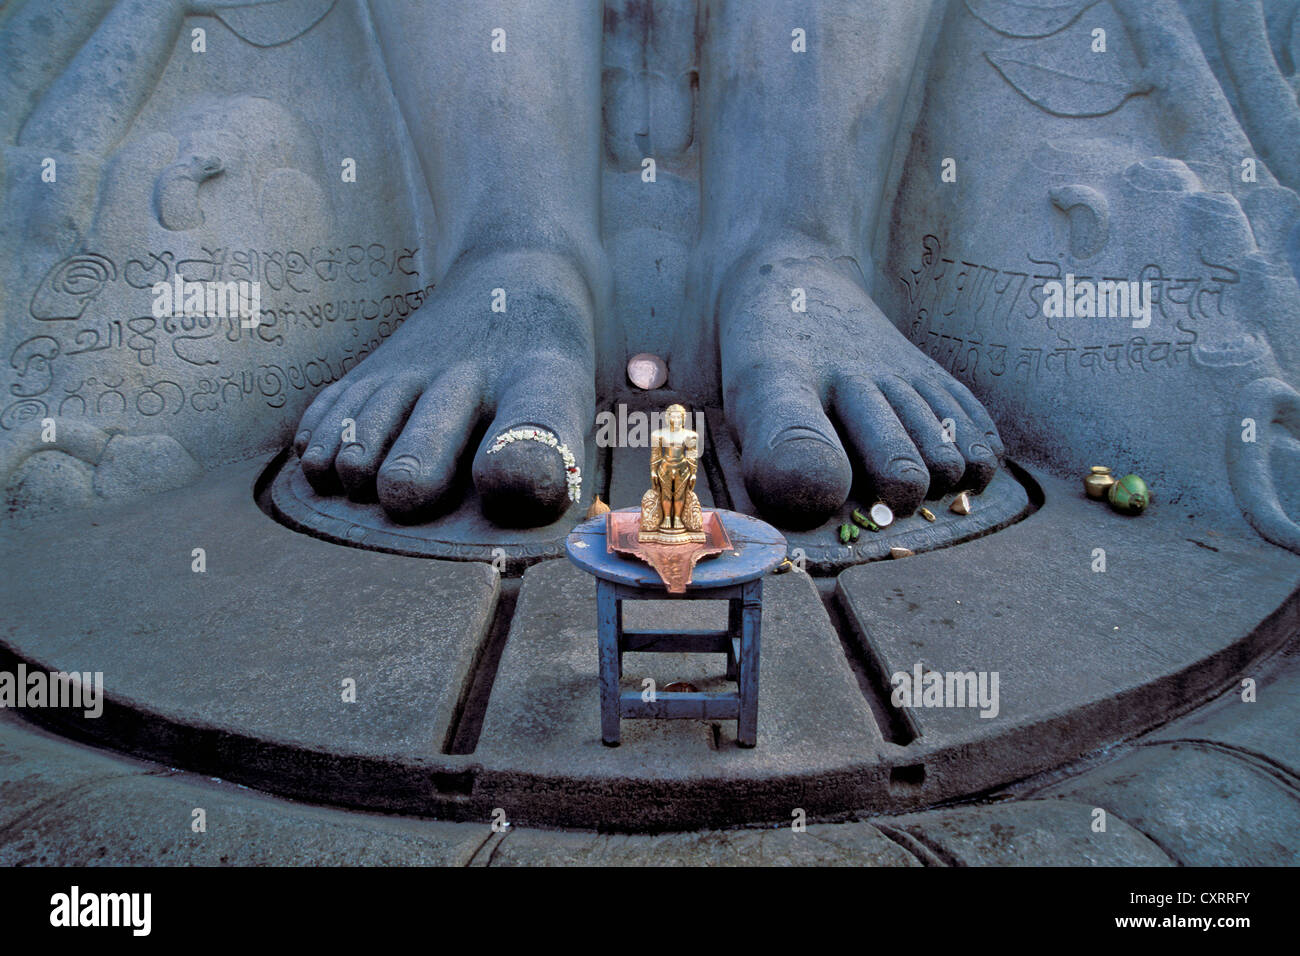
(795, 468)
(522, 483)
(527, 472)
(798, 479)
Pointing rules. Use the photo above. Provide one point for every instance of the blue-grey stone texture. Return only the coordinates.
(836, 221)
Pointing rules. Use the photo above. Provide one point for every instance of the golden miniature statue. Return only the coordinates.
(670, 510)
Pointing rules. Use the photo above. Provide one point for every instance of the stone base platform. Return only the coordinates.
(347, 676)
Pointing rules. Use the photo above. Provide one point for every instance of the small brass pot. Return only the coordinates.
(1098, 481)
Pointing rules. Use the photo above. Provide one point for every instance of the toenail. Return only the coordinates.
(404, 465)
(904, 468)
(799, 433)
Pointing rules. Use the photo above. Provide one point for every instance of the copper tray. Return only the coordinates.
(674, 563)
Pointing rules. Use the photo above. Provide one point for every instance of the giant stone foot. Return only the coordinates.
(505, 339)
(814, 395)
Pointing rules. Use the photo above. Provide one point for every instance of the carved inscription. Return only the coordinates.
(174, 364)
(993, 309)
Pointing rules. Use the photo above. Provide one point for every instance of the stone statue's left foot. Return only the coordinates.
(799, 386)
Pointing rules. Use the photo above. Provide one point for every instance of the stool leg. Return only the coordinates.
(618, 612)
(733, 635)
(751, 617)
(608, 637)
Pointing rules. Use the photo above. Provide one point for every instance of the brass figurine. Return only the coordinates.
(670, 533)
(670, 510)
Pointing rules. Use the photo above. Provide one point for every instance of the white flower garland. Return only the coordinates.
(572, 475)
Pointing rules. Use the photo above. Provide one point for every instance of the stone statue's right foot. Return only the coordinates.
(395, 428)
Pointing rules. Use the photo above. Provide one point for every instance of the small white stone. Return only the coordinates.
(647, 371)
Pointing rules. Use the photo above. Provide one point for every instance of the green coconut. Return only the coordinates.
(1129, 495)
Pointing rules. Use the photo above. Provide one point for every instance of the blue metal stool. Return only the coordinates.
(735, 576)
